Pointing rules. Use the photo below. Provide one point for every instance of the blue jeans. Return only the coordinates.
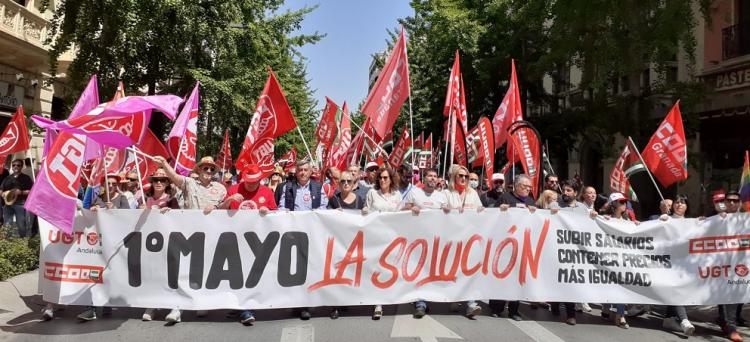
(19, 212)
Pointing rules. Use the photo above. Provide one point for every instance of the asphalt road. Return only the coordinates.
(20, 321)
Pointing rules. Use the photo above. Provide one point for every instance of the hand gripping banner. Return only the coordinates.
(238, 259)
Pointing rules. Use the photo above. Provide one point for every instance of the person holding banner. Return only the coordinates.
(346, 198)
(426, 198)
(358, 188)
(110, 198)
(617, 208)
(160, 196)
(491, 198)
(249, 194)
(15, 188)
(201, 192)
(460, 196)
(676, 318)
(518, 198)
(383, 197)
(300, 193)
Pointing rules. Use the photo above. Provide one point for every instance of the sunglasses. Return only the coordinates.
(462, 176)
(733, 200)
(208, 169)
(346, 181)
(162, 180)
(17, 165)
(112, 183)
(372, 169)
(498, 182)
(552, 181)
(385, 177)
(133, 179)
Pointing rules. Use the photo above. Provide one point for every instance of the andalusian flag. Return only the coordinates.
(745, 183)
(626, 165)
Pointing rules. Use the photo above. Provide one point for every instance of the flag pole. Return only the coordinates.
(224, 158)
(33, 173)
(377, 146)
(646, 167)
(106, 176)
(140, 178)
(307, 147)
(408, 84)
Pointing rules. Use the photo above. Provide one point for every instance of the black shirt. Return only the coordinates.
(20, 181)
(337, 202)
(512, 201)
(491, 198)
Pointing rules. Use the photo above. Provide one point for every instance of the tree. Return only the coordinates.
(165, 46)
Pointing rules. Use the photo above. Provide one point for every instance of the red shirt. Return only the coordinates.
(261, 197)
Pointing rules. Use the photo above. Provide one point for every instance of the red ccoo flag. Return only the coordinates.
(15, 137)
(326, 131)
(666, 153)
(399, 150)
(289, 159)
(455, 101)
(150, 145)
(509, 110)
(337, 154)
(384, 102)
(271, 119)
(224, 157)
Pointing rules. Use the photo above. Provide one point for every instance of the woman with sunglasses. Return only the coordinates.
(345, 198)
(275, 179)
(460, 196)
(383, 197)
(617, 209)
(676, 318)
(161, 194)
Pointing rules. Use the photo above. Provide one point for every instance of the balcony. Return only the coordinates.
(733, 44)
(23, 23)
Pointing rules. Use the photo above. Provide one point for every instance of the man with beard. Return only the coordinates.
(427, 198)
(491, 198)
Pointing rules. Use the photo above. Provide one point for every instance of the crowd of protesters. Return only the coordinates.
(375, 189)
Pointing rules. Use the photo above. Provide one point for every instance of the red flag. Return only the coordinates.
(455, 101)
(289, 159)
(403, 145)
(150, 145)
(524, 140)
(474, 147)
(271, 119)
(460, 156)
(509, 110)
(15, 137)
(425, 155)
(326, 131)
(371, 141)
(224, 157)
(337, 155)
(666, 152)
(384, 102)
(627, 164)
(487, 148)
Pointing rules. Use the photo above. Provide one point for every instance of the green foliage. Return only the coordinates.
(165, 46)
(605, 40)
(17, 255)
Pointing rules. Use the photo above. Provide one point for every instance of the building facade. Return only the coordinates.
(24, 66)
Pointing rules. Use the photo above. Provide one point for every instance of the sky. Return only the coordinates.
(338, 65)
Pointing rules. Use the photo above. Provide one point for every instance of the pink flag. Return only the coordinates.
(49, 138)
(182, 140)
(53, 196)
(119, 124)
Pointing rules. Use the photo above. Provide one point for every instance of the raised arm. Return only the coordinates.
(176, 179)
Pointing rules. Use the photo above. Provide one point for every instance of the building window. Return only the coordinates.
(672, 74)
(625, 83)
(20, 2)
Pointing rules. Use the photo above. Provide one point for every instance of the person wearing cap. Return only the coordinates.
(418, 199)
(18, 185)
(617, 209)
(491, 197)
(203, 193)
(160, 195)
(371, 173)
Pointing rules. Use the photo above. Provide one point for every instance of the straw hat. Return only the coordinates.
(9, 197)
(206, 161)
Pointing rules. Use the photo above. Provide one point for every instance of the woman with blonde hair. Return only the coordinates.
(460, 195)
(546, 199)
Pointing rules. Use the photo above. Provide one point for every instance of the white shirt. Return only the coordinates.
(471, 201)
(423, 200)
(378, 201)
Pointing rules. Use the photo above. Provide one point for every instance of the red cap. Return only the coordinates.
(252, 174)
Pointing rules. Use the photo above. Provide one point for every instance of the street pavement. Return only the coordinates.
(20, 307)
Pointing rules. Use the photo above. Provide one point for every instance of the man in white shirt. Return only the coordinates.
(427, 198)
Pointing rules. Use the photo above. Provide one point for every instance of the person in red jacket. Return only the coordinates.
(249, 193)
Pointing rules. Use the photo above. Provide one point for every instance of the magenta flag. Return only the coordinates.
(121, 123)
(54, 195)
(183, 138)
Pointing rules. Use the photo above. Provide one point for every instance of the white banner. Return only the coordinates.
(231, 259)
